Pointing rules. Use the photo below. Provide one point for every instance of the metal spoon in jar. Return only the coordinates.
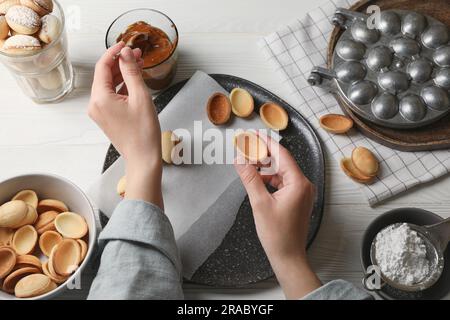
(137, 40)
(436, 238)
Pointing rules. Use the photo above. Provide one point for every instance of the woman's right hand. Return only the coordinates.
(282, 218)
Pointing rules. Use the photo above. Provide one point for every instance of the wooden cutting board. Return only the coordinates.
(432, 137)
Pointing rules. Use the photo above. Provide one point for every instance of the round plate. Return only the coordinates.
(410, 215)
(240, 259)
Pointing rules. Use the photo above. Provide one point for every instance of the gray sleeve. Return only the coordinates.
(140, 259)
(338, 290)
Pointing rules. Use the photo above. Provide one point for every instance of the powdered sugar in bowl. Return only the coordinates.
(408, 257)
(405, 255)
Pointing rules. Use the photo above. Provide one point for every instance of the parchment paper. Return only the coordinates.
(197, 193)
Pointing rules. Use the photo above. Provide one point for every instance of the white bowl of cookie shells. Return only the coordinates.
(48, 186)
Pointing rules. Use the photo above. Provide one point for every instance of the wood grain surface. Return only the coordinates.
(216, 37)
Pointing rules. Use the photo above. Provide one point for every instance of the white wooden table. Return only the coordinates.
(216, 37)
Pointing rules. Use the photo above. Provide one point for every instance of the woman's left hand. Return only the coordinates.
(129, 119)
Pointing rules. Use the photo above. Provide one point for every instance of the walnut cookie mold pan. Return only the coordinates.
(396, 74)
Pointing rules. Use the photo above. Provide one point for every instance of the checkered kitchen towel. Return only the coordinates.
(293, 51)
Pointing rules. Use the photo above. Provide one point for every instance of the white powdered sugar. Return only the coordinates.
(24, 16)
(21, 41)
(401, 255)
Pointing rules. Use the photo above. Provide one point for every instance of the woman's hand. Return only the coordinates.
(282, 218)
(129, 120)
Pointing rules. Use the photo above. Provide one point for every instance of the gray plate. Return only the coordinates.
(240, 259)
(415, 216)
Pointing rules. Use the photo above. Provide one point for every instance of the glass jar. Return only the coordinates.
(159, 76)
(45, 76)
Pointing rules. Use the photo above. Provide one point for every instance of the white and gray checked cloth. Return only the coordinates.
(293, 51)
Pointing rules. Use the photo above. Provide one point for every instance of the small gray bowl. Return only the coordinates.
(409, 215)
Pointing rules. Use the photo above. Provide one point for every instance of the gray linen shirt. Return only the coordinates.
(140, 259)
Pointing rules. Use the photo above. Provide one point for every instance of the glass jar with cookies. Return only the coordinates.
(33, 46)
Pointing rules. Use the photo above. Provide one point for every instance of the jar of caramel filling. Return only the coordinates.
(157, 37)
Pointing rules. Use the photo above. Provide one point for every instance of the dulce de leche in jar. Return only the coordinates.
(158, 52)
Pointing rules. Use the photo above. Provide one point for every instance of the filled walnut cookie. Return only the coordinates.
(51, 80)
(4, 28)
(23, 20)
(21, 44)
(365, 161)
(41, 7)
(349, 169)
(6, 4)
(362, 166)
(50, 29)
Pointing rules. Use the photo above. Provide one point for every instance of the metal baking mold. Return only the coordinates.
(379, 58)
(350, 50)
(412, 108)
(435, 36)
(390, 23)
(442, 78)
(420, 70)
(413, 24)
(385, 106)
(396, 74)
(442, 56)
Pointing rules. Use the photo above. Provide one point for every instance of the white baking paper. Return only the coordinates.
(190, 191)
